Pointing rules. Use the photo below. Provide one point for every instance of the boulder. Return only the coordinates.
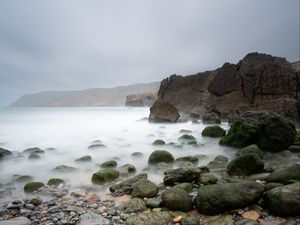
(245, 165)
(149, 218)
(213, 131)
(269, 130)
(284, 200)
(134, 205)
(55, 182)
(160, 156)
(144, 189)
(219, 162)
(159, 142)
(96, 146)
(218, 198)
(32, 186)
(181, 175)
(86, 158)
(162, 111)
(22, 178)
(185, 186)
(153, 203)
(4, 152)
(105, 176)
(190, 220)
(33, 150)
(64, 169)
(250, 149)
(109, 164)
(126, 170)
(33, 156)
(207, 178)
(187, 138)
(193, 159)
(177, 199)
(126, 186)
(285, 175)
(137, 155)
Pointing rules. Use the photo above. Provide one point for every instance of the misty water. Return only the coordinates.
(71, 130)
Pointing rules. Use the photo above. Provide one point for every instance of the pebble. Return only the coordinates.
(250, 215)
(177, 219)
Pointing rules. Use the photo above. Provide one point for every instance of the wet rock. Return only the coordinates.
(160, 156)
(126, 170)
(149, 218)
(270, 186)
(105, 176)
(159, 142)
(86, 158)
(194, 160)
(93, 218)
(254, 149)
(96, 146)
(190, 220)
(144, 189)
(163, 112)
(245, 164)
(36, 201)
(109, 164)
(137, 155)
(247, 222)
(270, 131)
(22, 178)
(218, 198)
(213, 131)
(284, 200)
(187, 138)
(4, 152)
(33, 150)
(34, 156)
(181, 175)
(64, 169)
(126, 186)
(153, 203)
(134, 205)
(185, 186)
(55, 182)
(207, 178)
(177, 199)
(222, 220)
(285, 175)
(33, 186)
(185, 131)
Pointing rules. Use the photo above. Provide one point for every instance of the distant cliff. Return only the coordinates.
(142, 99)
(257, 82)
(90, 97)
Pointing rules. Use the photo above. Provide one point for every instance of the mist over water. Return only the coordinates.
(71, 130)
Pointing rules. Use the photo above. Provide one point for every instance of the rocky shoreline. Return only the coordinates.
(259, 186)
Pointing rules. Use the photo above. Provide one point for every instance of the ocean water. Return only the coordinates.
(71, 130)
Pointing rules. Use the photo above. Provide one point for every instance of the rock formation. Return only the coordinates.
(140, 100)
(257, 82)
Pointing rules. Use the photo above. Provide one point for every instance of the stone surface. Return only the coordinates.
(150, 218)
(162, 111)
(213, 131)
(105, 176)
(218, 198)
(144, 189)
(126, 186)
(16, 221)
(134, 205)
(160, 156)
(181, 175)
(177, 199)
(141, 99)
(284, 200)
(285, 175)
(32, 186)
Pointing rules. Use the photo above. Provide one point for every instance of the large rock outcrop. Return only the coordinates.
(257, 82)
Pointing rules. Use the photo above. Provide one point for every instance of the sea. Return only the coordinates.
(65, 134)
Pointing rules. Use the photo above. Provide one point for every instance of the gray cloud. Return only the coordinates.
(74, 44)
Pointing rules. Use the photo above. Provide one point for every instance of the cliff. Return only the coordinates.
(257, 82)
(142, 99)
(91, 97)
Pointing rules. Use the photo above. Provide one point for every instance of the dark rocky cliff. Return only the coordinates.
(257, 82)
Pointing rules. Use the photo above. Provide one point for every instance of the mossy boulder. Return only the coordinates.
(207, 178)
(144, 189)
(285, 175)
(250, 149)
(127, 169)
(64, 169)
(270, 131)
(284, 200)
(137, 155)
(159, 142)
(33, 150)
(109, 164)
(86, 158)
(177, 199)
(187, 138)
(32, 186)
(160, 156)
(190, 220)
(192, 159)
(134, 205)
(245, 165)
(105, 176)
(219, 198)
(188, 187)
(55, 182)
(213, 131)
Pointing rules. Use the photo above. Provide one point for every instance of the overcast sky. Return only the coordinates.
(71, 44)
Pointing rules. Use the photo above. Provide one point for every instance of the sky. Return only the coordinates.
(72, 44)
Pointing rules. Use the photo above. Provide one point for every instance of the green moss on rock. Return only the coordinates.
(32, 186)
(213, 131)
(105, 176)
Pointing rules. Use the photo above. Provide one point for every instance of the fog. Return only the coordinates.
(72, 44)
